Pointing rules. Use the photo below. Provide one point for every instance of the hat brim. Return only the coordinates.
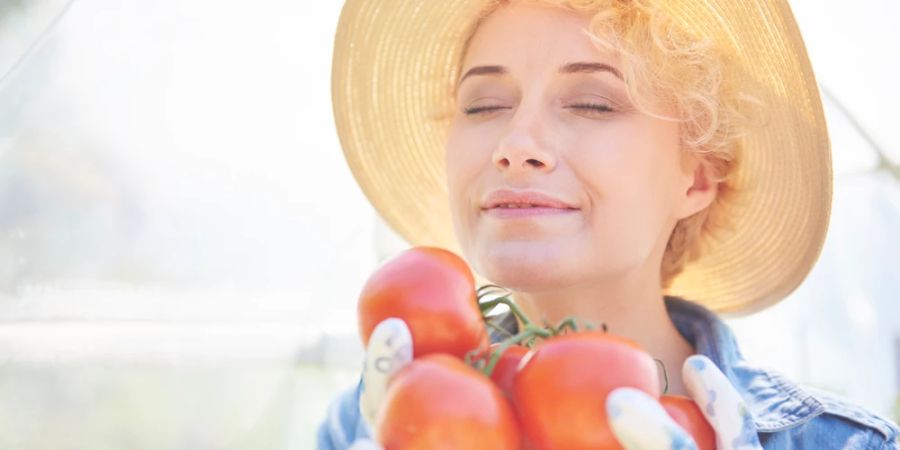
(395, 64)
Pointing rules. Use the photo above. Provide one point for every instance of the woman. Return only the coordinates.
(606, 160)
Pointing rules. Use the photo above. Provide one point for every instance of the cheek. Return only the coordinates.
(461, 167)
(627, 177)
(634, 160)
(463, 162)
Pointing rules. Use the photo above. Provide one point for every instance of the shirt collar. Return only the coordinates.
(775, 402)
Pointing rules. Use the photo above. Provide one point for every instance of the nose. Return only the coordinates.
(524, 149)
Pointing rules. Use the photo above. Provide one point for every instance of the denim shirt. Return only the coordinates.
(786, 415)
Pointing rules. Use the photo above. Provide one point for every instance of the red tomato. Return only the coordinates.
(433, 291)
(507, 367)
(686, 413)
(560, 391)
(437, 401)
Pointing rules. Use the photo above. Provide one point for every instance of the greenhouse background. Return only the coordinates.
(182, 244)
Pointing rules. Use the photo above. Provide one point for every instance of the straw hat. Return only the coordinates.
(395, 63)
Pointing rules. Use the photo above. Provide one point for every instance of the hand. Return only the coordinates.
(389, 350)
(640, 422)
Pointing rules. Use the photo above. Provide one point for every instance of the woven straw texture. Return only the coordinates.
(395, 64)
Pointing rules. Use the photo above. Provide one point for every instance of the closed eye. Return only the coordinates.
(483, 109)
(593, 107)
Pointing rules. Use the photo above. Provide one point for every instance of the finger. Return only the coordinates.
(720, 403)
(389, 350)
(364, 444)
(639, 422)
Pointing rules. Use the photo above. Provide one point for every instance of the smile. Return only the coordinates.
(524, 211)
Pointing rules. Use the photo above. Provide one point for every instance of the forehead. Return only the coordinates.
(524, 34)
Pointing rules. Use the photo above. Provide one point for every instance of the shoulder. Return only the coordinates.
(787, 415)
(342, 424)
(824, 421)
(841, 413)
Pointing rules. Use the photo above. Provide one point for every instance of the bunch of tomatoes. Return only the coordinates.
(544, 388)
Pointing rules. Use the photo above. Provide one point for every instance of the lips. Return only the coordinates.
(516, 199)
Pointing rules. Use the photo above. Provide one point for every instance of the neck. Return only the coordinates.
(632, 307)
(633, 310)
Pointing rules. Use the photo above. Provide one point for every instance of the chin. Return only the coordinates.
(525, 266)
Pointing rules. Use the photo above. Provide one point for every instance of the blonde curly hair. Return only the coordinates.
(661, 62)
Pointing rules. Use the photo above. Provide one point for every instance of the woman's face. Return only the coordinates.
(543, 119)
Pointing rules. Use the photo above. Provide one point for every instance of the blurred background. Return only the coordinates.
(181, 243)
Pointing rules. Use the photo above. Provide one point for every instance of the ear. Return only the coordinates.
(700, 190)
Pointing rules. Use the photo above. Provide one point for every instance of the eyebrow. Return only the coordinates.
(585, 67)
(483, 70)
(576, 67)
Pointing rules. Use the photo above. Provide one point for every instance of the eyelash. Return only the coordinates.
(593, 107)
(597, 107)
(481, 109)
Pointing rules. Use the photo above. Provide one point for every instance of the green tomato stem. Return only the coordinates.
(529, 332)
(569, 323)
(491, 304)
(498, 328)
(489, 286)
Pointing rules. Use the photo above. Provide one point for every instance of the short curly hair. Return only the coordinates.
(662, 62)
